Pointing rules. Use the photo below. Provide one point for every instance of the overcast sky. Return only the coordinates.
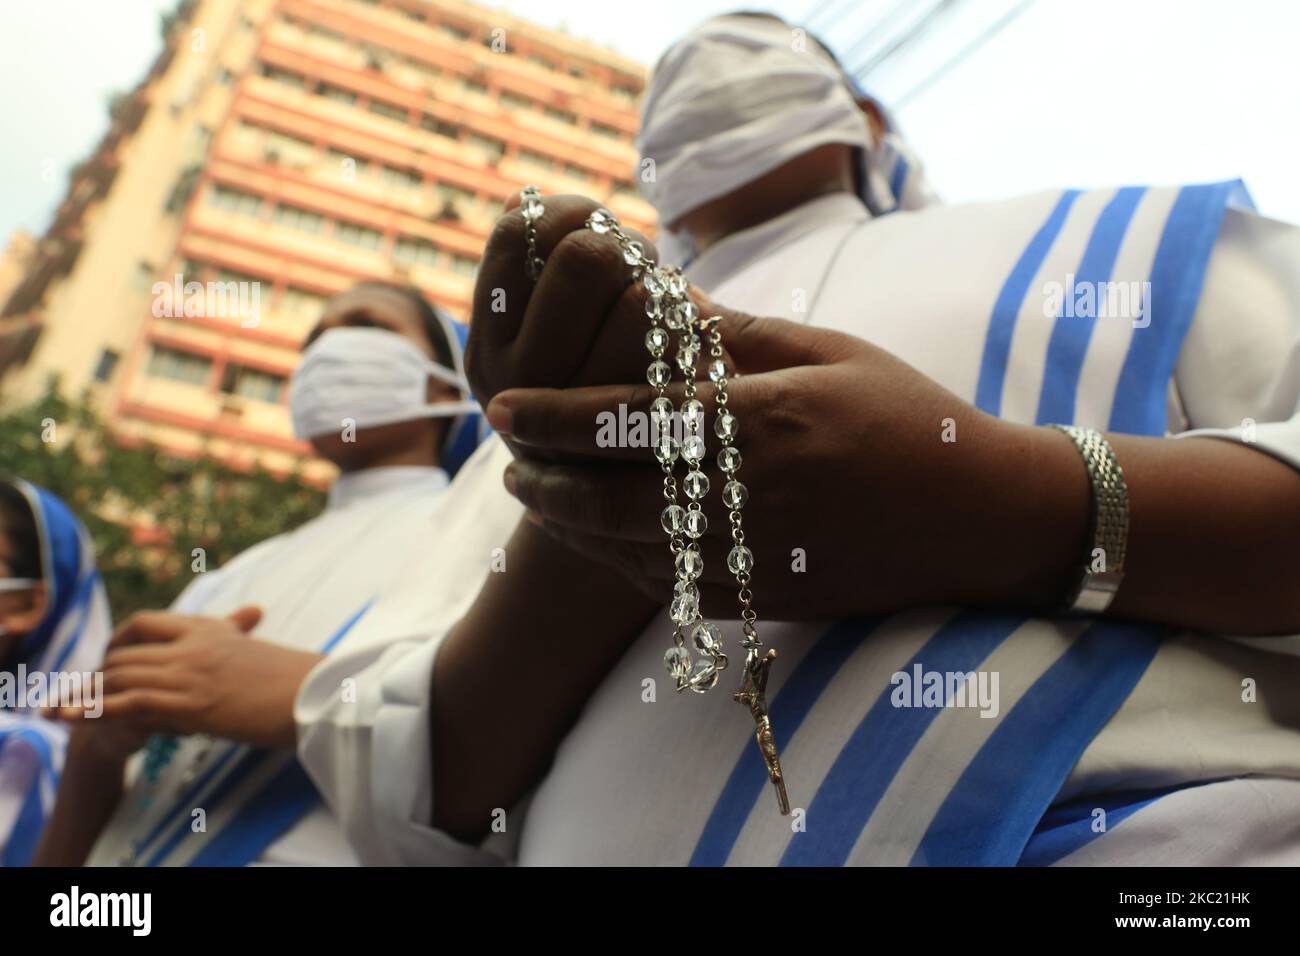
(1070, 93)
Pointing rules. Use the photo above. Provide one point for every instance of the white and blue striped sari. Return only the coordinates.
(959, 293)
(70, 638)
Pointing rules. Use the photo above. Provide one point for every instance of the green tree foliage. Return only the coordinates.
(121, 491)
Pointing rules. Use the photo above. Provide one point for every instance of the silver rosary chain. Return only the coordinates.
(672, 312)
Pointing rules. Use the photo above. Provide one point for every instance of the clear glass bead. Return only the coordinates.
(706, 638)
(725, 426)
(687, 587)
(656, 340)
(693, 412)
(729, 460)
(689, 563)
(654, 282)
(673, 519)
(693, 448)
(690, 312)
(696, 524)
(533, 210)
(686, 359)
(677, 283)
(678, 662)
(734, 495)
(659, 374)
(661, 410)
(632, 253)
(674, 318)
(717, 370)
(600, 221)
(684, 609)
(696, 485)
(704, 676)
(654, 307)
(666, 449)
(740, 560)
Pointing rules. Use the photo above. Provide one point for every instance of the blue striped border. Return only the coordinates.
(1177, 275)
(1000, 798)
(883, 740)
(788, 709)
(1002, 325)
(1070, 335)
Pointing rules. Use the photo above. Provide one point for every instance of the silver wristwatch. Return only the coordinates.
(1103, 568)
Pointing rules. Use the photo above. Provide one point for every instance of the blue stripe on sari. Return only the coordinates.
(898, 180)
(262, 819)
(1002, 795)
(1069, 826)
(25, 834)
(1002, 325)
(1071, 335)
(788, 709)
(1177, 275)
(853, 787)
(252, 822)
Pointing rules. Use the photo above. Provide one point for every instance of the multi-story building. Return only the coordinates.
(277, 152)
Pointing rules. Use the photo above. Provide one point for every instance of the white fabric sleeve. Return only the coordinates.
(363, 737)
(1238, 374)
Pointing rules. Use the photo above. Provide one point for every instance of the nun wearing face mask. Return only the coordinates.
(204, 692)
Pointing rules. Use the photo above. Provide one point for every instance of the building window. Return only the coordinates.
(339, 158)
(301, 304)
(534, 158)
(473, 86)
(390, 111)
(251, 383)
(357, 235)
(106, 364)
(295, 217)
(428, 69)
(493, 147)
(454, 31)
(456, 194)
(404, 178)
(415, 252)
(234, 200)
(601, 129)
(541, 61)
(435, 125)
(287, 77)
(564, 116)
(178, 365)
(577, 172)
(513, 101)
(463, 265)
(337, 94)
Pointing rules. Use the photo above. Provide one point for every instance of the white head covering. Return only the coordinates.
(732, 100)
(739, 96)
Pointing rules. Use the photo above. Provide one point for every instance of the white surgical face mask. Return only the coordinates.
(366, 378)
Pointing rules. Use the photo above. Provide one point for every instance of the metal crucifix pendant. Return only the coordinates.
(752, 693)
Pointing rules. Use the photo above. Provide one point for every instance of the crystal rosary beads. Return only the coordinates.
(670, 310)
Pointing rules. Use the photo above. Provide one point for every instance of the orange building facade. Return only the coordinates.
(277, 153)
